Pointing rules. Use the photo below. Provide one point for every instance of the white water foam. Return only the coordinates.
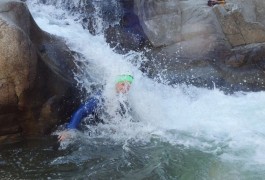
(229, 125)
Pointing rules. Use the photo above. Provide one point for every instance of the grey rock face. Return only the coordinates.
(36, 74)
(161, 20)
(205, 46)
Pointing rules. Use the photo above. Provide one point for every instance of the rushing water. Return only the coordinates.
(176, 132)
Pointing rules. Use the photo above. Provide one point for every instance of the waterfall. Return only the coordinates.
(96, 15)
(230, 127)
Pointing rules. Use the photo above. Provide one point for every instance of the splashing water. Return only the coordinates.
(209, 117)
(202, 122)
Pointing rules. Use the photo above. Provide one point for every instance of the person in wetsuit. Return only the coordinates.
(93, 104)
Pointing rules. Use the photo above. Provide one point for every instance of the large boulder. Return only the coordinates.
(160, 20)
(241, 27)
(36, 74)
(204, 46)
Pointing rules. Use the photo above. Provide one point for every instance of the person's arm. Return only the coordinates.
(83, 111)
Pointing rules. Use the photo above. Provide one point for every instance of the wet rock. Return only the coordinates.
(235, 61)
(160, 20)
(236, 28)
(35, 67)
(128, 33)
(204, 46)
(124, 40)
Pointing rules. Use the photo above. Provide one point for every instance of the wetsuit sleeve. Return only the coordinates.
(83, 111)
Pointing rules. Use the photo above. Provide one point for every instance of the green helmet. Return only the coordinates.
(124, 78)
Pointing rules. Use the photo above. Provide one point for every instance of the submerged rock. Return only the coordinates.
(36, 74)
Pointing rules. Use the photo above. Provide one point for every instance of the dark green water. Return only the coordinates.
(103, 159)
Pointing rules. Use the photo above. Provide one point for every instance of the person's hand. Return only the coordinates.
(64, 135)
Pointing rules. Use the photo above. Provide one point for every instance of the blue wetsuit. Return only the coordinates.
(83, 111)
